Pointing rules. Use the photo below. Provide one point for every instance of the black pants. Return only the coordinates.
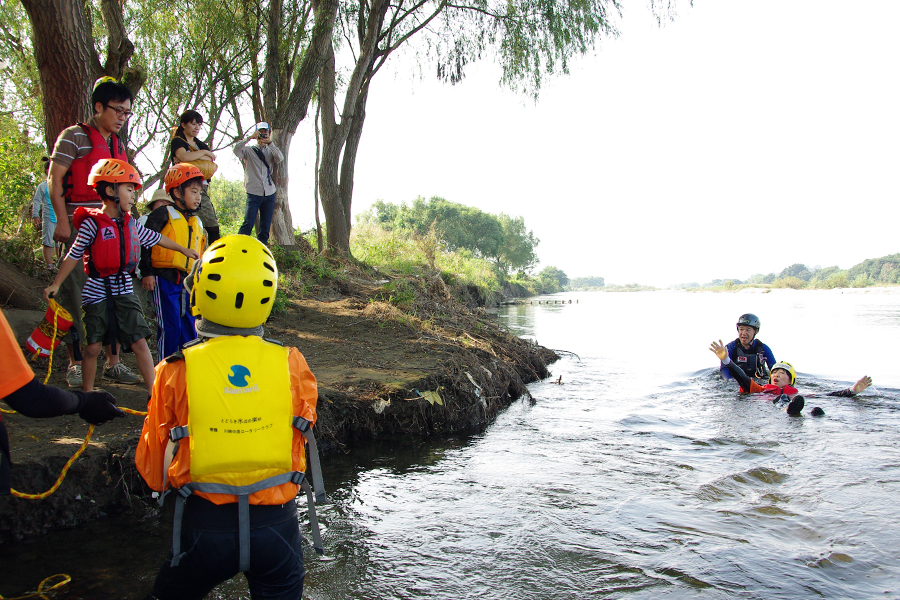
(209, 539)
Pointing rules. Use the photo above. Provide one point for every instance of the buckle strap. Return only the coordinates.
(315, 465)
(301, 424)
(313, 519)
(176, 433)
(176, 530)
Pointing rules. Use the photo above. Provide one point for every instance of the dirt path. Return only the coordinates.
(372, 361)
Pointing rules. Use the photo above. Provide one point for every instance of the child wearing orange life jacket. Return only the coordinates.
(163, 271)
(108, 242)
(781, 383)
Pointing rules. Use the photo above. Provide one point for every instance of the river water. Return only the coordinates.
(641, 476)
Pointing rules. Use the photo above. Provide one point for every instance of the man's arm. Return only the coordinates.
(55, 187)
(274, 153)
(747, 384)
(240, 148)
(40, 401)
(770, 357)
(725, 371)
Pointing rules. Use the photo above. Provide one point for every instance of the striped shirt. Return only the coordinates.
(94, 290)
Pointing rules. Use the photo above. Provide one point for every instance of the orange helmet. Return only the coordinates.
(180, 173)
(113, 170)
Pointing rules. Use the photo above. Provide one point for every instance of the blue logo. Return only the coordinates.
(239, 376)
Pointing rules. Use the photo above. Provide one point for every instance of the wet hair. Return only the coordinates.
(110, 91)
(188, 116)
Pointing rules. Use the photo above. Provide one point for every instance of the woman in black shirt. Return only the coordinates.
(186, 148)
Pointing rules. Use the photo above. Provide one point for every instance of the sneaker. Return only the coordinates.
(121, 373)
(795, 405)
(73, 376)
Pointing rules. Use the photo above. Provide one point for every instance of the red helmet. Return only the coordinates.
(180, 173)
(113, 170)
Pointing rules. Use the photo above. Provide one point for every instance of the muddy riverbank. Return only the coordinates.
(376, 360)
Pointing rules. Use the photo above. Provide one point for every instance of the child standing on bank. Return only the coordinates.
(45, 219)
(109, 243)
(163, 271)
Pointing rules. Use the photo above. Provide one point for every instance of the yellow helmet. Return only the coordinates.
(787, 367)
(235, 282)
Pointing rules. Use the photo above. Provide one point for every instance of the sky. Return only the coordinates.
(740, 138)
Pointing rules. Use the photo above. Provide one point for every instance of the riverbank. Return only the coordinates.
(376, 354)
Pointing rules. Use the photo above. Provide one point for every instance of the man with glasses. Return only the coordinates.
(77, 150)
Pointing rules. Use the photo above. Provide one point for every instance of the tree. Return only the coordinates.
(517, 251)
(796, 270)
(69, 62)
(206, 70)
(532, 38)
(20, 172)
(20, 88)
(296, 50)
(274, 49)
(585, 283)
(458, 225)
(555, 274)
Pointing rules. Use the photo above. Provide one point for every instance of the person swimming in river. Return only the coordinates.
(782, 378)
(750, 354)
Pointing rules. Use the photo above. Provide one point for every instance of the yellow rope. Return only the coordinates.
(87, 438)
(41, 593)
(62, 474)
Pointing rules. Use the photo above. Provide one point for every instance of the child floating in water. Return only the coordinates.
(781, 381)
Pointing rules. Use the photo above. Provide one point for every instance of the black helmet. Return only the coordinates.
(750, 321)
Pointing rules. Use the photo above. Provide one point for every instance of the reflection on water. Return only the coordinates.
(642, 476)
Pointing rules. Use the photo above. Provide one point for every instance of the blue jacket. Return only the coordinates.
(756, 347)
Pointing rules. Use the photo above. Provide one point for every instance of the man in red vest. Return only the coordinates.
(77, 150)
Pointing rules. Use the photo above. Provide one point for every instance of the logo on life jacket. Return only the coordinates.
(108, 233)
(742, 359)
(239, 379)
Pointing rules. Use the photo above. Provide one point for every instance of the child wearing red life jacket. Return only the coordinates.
(781, 383)
(109, 244)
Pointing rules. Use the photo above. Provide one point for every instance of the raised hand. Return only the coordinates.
(719, 350)
(862, 384)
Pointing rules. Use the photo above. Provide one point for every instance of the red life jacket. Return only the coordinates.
(774, 389)
(116, 247)
(75, 183)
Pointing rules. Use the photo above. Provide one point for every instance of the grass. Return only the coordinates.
(402, 253)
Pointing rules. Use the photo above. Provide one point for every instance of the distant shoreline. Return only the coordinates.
(892, 289)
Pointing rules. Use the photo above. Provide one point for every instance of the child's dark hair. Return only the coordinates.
(46, 161)
(110, 91)
(102, 188)
(188, 116)
(183, 186)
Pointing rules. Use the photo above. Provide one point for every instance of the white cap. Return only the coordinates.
(262, 125)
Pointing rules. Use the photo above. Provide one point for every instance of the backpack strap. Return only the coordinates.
(262, 157)
(315, 466)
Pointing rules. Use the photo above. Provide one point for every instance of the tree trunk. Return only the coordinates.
(282, 230)
(348, 162)
(335, 135)
(286, 116)
(62, 48)
(337, 239)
